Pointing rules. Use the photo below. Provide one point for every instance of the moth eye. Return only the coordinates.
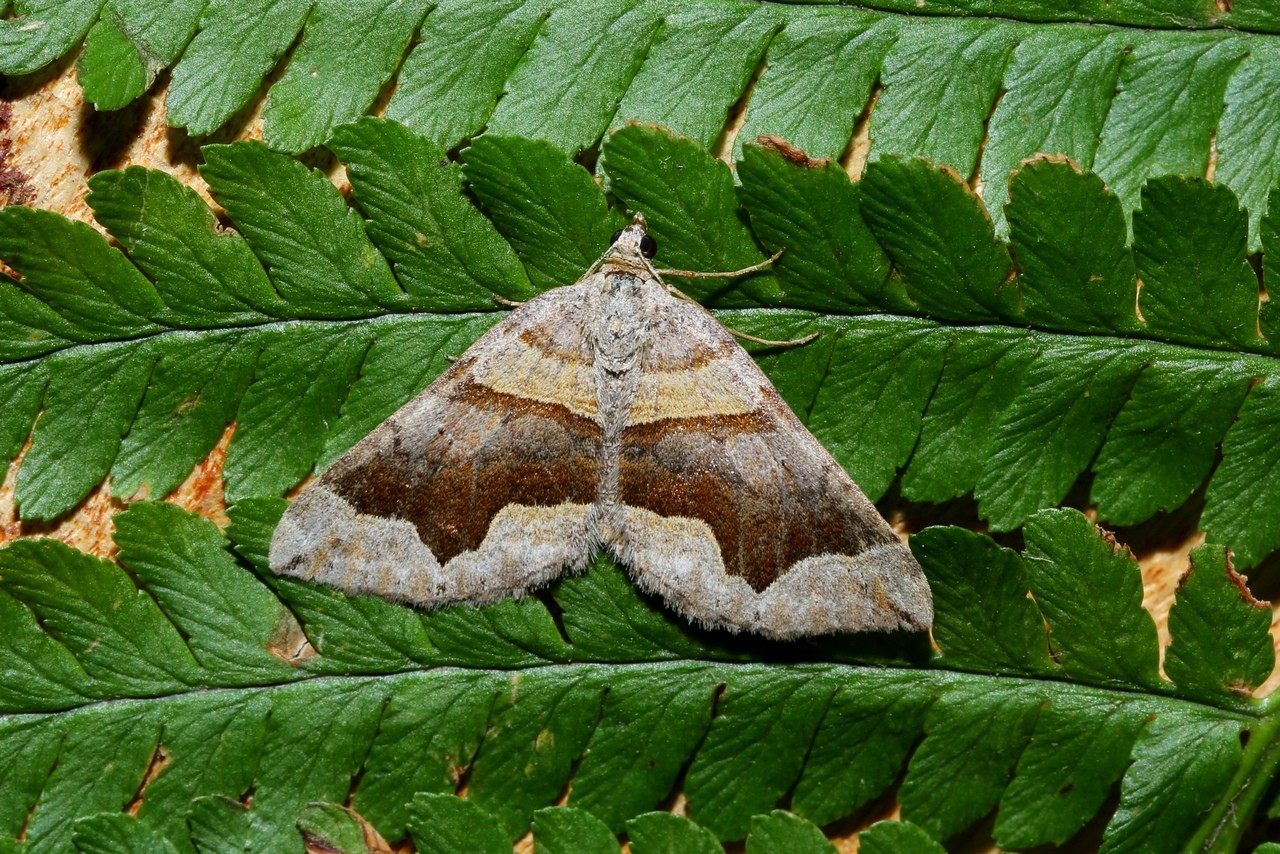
(616, 235)
(648, 246)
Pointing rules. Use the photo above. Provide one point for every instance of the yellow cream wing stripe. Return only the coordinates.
(528, 372)
(712, 389)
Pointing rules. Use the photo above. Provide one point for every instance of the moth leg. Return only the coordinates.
(507, 302)
(743, 336)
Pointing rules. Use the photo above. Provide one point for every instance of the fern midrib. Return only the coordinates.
(1242, 709)
(1047, 20)
(1259, 363)
(263, 326)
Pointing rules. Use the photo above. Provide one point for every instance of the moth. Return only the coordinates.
(608, 415)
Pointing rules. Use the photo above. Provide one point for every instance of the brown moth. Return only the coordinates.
(608, 415)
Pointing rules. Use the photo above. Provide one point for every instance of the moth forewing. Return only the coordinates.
(611, 415)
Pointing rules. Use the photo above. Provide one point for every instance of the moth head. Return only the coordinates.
(635, 238)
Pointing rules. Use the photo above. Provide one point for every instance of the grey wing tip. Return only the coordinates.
(287, 554)
(880, 589)
(907, 588)
(304, 540)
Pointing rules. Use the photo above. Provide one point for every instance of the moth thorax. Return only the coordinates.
(618, 329)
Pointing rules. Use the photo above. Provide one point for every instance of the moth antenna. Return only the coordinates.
(695, 274)
(744, 336)
(680, 295)
(507, 302)
(794, 342)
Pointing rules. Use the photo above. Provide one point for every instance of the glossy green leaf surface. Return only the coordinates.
(1087, 327)
(158, 655)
